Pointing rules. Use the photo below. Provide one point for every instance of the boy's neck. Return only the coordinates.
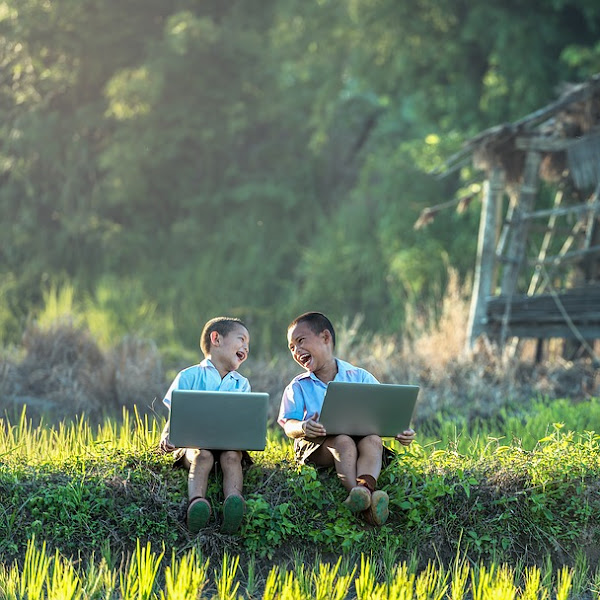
(327, 372)
(219, 367)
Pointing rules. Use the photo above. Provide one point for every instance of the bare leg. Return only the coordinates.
(370, 453)
(234, 506)
(233, 479)
(339, 451)
(199, 463)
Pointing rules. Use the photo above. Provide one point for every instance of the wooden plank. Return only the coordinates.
(524, 317)
(566, 257)
(543, 144)
(518, 245)
(559, 212)
(543, 331)
(573, 314)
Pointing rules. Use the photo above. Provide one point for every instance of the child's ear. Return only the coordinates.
(214, 338)
(326, 336)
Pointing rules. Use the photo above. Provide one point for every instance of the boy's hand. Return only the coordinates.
(407, 437)
(165, 445)
(313, 429)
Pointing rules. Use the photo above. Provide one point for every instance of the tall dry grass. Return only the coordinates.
(62, 371)
(476, 383)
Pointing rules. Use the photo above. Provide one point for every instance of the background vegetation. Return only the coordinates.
(162, 163)
(170, 162)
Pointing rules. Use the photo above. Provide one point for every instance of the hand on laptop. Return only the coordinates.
(407, 437)
(313, 429)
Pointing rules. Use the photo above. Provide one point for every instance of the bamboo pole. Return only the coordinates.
(562, 253)
(594, 204)
(512, 203)
(516, 251)
(486, 245)
(545, 244)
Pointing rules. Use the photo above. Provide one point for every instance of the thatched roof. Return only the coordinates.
(566, 132)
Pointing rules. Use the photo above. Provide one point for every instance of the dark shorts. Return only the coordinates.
(179, 458)
(303, 448)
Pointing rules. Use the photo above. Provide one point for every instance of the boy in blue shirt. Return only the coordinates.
(225, 342)
(357, 460)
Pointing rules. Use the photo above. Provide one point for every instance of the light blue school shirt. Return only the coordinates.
(205, 376)
(303, 397)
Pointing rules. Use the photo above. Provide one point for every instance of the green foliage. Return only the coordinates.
(80, 490)
(72, 491)
(173, 161)
(516, 423)
(267, 527)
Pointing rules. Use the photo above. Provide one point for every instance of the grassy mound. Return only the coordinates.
(87, 491)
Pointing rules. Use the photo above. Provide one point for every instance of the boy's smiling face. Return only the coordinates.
(312, 351)
(228, 352)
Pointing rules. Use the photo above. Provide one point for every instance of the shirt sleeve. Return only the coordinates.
(292, 404)
(173, 386)
(368, 377)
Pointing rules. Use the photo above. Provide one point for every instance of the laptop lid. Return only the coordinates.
(368, 408)
(218, 420)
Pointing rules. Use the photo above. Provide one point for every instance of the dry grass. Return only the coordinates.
(62, 371)
(477, 383)
(137, 372)
(439, 341)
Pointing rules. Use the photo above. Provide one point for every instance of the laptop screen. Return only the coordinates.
(218, 420)
(368, 408)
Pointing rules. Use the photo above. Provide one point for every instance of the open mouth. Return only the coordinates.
(304, 359)
(241, 355)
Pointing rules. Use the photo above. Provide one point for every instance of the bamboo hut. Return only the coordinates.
(537, 272)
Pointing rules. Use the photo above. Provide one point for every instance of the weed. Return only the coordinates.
(84, 490)
(563, 583)
(138, 580)
(227, 587)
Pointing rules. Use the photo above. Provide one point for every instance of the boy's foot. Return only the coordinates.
(379, 511)
(359, 499)
(198, 513)
(234, 508)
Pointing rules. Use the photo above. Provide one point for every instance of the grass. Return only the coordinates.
(94, 359)
(146, 575)
(97, 507)
(499, 497)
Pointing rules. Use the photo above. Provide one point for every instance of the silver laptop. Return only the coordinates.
(218, 420)
(368, 408)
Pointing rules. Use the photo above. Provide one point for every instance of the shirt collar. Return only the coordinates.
(342, 367)
(208, 363)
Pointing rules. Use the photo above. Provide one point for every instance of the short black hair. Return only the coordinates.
(316, 321)
(222, 325)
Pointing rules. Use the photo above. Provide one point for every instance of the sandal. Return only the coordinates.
(234, 509)
(359, 499)
(379, 510)
(198, 513)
